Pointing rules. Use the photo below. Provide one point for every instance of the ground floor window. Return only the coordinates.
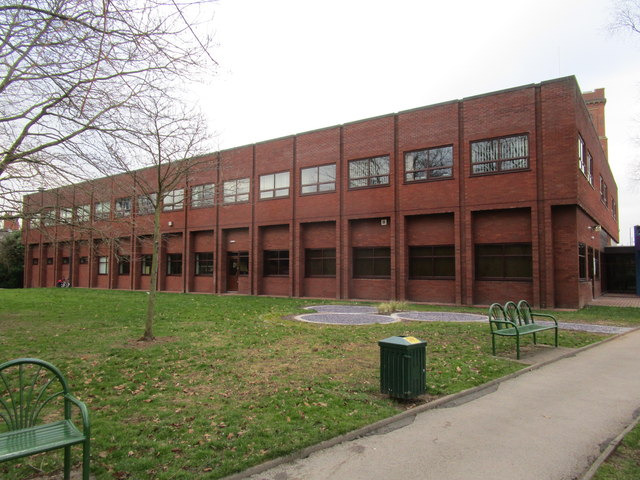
(320, 262)
(276, 262)
(124, 265)
(145, 264)
(504, 261)
(582, 261)
(103, 265)
(174, 264)
(437, 261)
(372, 262)
(204, 264)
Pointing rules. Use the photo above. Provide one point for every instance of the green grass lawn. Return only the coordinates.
(231, 381)
(624, 462)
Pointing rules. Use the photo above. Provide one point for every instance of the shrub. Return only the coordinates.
(391, 307)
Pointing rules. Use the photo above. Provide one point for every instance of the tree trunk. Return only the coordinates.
(153, 281)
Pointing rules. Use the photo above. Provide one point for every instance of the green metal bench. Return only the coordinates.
(32, 390)
(515, 321)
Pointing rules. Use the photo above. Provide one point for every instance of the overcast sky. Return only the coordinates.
(289, 66)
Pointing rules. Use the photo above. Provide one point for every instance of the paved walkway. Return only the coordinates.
(616, 300)
(548, 422)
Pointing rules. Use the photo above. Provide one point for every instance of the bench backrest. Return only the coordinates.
(497, 315)
(511, 311)
(31, 391)
(525, 311)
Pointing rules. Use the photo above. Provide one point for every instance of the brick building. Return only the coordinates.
(506, 195)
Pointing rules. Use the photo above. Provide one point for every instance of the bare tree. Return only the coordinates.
(158, 133)
(68, 68)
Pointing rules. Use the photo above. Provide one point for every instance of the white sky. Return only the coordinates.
(289, 66)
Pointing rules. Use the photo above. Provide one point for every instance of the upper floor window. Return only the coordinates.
(585, 160)
(274, 185)
(604, 197)
(101, 211)
(429, 164)
(203, 195)
(146, 204)
(236, 191)
(614, 208)
(66, 216)
(174, 200)
(82, 213)
(369, 172)
(48, 217)
(499, 155)
(123, 207)
(318, 179)
(34, 220)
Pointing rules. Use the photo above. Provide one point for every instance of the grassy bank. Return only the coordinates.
(231, 381)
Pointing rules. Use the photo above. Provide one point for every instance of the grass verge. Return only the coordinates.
(231, 381)
(624, 462)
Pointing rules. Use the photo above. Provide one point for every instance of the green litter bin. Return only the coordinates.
(403, 367)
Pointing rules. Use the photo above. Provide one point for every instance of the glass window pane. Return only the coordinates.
(309, 176)
(327, 173)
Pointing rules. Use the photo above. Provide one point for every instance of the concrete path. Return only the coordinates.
(550, 422)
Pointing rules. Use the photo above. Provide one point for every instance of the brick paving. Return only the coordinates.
(616, 300)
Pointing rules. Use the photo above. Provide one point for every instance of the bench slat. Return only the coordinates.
(41, 438)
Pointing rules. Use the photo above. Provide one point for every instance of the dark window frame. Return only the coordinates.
(203, 264)
(123, 207)
(203, 196)
(124, 265)
(174, 265)
(146, 262)
(231, 194)
(508, 261)
(497, 144)
(371, 262)
(429, 258)
(317, 186)
(272, 191)
(375, 179)
(275, 263)
(173, 201)
(103, 265)
(83, 260)
(320, 262)
(425, 173)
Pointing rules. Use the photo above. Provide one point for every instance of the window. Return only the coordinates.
(65, 260)
(147, 204)
(82, 213)
(590, 263)
(582, 261)
(174, 200)
(83, 260)
(204, 264)
(66, 216)
(145, 264)
(369, 172)
(614, 208)
(103, 265)
(585, 160)
(123, 207)
(236, 191)
(48, 217)
(203, 195)
(432, 261)
(604, 193)
(274, 185)
(243, 263)
(50, 261)
(101, 211)
(429, 164)
(320, 262)
(500, 155)
(596, 265)
(504, 261)
(35, 261)
(34, 221)
(276, 262)
(318, 179)
(372, 262)
(124, 264)
(174, 264)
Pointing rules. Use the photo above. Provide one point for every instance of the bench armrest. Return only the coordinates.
(508, 322)
(84, 412)
(545, 315)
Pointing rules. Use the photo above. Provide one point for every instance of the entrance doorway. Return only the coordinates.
(237, 266)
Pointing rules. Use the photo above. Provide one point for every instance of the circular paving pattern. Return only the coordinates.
(333, 318)
(343, 309)
(440, 317)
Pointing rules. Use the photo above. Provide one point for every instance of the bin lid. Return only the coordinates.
(402, 341)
